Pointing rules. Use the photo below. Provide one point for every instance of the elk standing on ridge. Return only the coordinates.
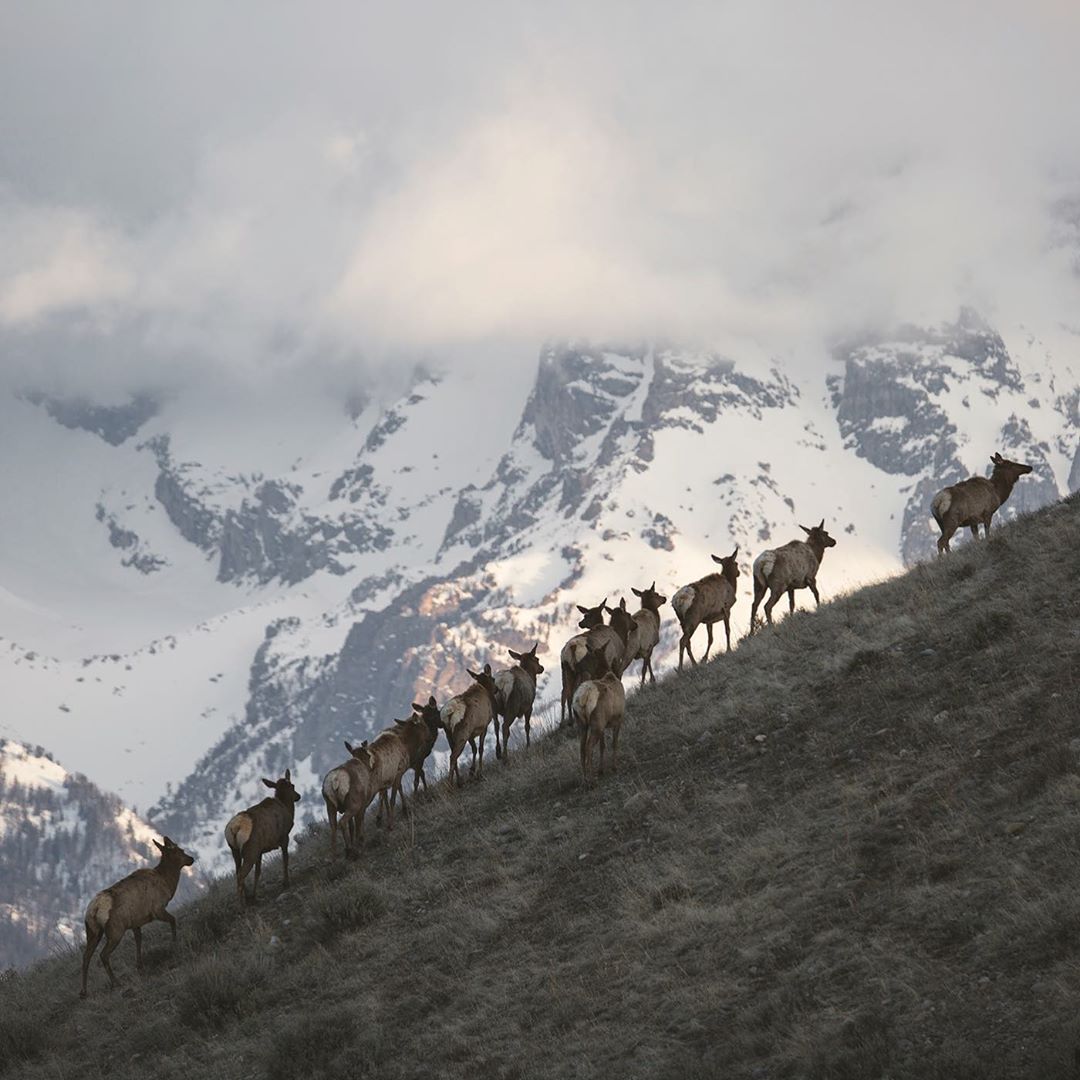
(466, 717)
(516, 688)
(598, 707)
(973, 502)
(429, 713)
(645, 631)
(785, 569)
(373, 769)
(262, 828)
(707, 601)
(604, 647)
(130, 904)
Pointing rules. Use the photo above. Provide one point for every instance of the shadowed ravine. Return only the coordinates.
(847, 850)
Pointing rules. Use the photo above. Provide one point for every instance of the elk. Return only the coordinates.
(645, 631)
(262, 828)
(429, 713)
(130, 904)
(973, 502)
(598, 707)
(707, 601)
(785, 569)
(372, 769)
(467, 716)
(605, 645)
(516, 688)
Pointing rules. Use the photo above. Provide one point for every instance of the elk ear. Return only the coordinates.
(997, 458)
(717, 558)
(514, 655)
(269, 783)
(652, 587)
(622, 604)
(348, 746)
(158, 846)
(636, 592)
(417, 708)
(536, 645)
(487, 669)
(287, 776)
(735, 552)
(472, 674)
(431, 701)
(805, 529)
(583, 610)
(822, 525)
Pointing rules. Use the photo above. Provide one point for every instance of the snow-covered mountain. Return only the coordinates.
(197, 593)
(61, 840)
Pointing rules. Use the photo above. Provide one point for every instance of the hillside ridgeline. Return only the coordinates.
(846, 850)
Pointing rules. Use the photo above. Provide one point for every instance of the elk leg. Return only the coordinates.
(167, 917)
(472, 764)
(92, 939)
(113, 939)
(791, 600)
(727, 629)
(498, 746)
(258, 874)
(585, 752)
(528, 721)
(708, 643)
(812, 586)
(602, 740)
(770, 604)
(331, 816)
(137, 932)
(759, 595)
(614, 749)
(389, 810)
(241, 876)
(453, 770)
(285, 864)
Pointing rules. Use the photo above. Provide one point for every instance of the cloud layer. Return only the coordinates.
(248, 189)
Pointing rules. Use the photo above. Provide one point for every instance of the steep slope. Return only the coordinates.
(61, 840)
(846, 850)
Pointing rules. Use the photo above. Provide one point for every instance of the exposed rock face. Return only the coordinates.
(136, 552)
(113, 423)
(896, 406)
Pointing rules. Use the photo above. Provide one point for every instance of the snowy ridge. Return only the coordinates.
(322, 567)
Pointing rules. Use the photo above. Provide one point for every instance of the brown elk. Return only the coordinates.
(707, 601)
(605, 646)
(130, 904)
(516, 688)
(374, 768)
(973, 502)
(645, 631)
(262, 828)
(466, 717)
(785, 569)
(598, 707)
(429, 713)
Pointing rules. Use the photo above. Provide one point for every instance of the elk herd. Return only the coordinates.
(593, 700)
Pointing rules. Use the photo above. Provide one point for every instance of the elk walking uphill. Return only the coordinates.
(465, 717)
(973, 502)
(645, 630)
(598, 650)
(516, 688)
(785, 569)
(418, 754)
(261, 828)
(372, 769)
(598, 707)
(130, 904)
(707, 600)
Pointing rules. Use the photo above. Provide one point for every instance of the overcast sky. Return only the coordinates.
(254, 186)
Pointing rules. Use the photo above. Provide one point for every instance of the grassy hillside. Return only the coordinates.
(849, 850)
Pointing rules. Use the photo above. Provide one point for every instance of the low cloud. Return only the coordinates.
(736, 174)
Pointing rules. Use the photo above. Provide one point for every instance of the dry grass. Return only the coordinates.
(884, 886)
